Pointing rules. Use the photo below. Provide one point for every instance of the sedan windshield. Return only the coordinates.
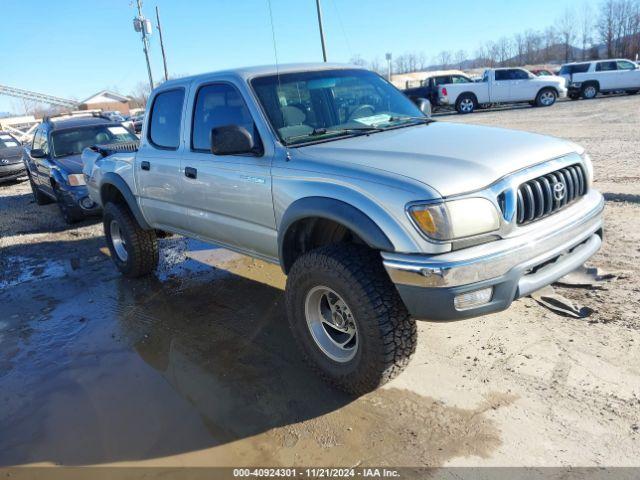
(309, 106)
(7, 141)
(73, 141)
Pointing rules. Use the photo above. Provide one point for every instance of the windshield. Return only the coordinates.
(7, 141)
(309, 106)
(73, 141)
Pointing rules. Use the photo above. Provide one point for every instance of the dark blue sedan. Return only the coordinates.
(54, 163)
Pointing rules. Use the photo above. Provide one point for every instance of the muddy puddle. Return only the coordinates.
(195, 366)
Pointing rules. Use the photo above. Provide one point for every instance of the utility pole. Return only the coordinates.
(143, 25)
(388, 57)
(164, 57)
(324, 50)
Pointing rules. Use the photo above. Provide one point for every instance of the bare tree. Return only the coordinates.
(140, 95)
(459, 58)
(444, 58)
(586, 28)
(566, 28)
(358, 60)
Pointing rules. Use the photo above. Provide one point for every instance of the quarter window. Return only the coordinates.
(218, 105)
(166, 112)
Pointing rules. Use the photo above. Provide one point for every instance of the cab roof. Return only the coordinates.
(78, 121)
(247, 73)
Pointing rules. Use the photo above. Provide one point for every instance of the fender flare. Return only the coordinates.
(337, 211)
(119, 184)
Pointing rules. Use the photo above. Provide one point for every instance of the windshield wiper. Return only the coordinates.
(336, 131)
(401, 118)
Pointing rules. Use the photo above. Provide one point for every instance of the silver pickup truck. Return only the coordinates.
(378, 215)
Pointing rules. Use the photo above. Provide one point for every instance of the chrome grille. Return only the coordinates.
(549, 193)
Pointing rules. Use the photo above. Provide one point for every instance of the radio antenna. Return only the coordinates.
(275, 53)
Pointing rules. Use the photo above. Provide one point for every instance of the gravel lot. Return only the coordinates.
(196, 366)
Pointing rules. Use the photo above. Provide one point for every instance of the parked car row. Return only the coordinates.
(540, 88)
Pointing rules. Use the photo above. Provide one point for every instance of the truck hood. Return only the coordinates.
(451, 158)
(71, 164)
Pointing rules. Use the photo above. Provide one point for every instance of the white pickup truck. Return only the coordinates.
(586, 79)
(503, 85)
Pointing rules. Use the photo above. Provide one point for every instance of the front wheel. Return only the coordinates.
(589, 91)
(348, 318)
(133, 249)
(38, 196)
(546, 98)
(69, 214)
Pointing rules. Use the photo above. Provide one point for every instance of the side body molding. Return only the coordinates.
(116, 181)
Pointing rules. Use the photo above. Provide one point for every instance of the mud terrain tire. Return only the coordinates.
(140, 254)
(386, 335)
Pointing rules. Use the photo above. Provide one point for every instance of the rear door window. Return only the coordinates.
(166, 115)
(606, 66)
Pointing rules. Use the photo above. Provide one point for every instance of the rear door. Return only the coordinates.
(157, 164)
(501, 88)
(607, 75)
(229, 196)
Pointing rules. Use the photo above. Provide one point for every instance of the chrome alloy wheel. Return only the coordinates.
(118, 241)
(547, 98)
(466, 105)
(590, 92)
(331, 324)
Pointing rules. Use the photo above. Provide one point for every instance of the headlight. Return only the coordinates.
(76, 179)
(588, 165)
(456, 218)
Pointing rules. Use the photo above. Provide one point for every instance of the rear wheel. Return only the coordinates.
(466, 103)
(133, 249)
(348, 318)
(546, 97)
(589, 91)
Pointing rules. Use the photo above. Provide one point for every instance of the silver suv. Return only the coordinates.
(378, 215)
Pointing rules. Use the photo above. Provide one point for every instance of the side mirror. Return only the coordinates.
(38, 153)
(231, 140)
(424, 105)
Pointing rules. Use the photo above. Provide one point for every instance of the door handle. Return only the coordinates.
(144, 165)
(190, 172)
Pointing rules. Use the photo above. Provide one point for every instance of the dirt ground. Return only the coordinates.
(196, 366)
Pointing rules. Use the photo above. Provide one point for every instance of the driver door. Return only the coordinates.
(229, 196)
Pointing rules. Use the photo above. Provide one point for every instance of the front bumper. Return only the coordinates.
(12, 171)
(77, 198)
(513, 267)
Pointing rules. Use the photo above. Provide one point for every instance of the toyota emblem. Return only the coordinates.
(559, 191)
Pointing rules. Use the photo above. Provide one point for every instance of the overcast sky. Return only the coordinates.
(74, 48)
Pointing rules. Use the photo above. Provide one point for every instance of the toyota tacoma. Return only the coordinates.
(378, 215)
